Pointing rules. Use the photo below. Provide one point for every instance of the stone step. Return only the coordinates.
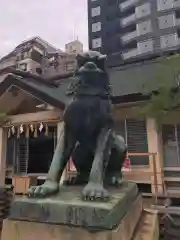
(148, 227)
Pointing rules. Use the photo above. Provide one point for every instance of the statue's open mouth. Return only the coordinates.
(89, 67)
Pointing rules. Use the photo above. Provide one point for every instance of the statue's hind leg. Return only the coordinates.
(117, 157)
(64, 148)
(95, 189)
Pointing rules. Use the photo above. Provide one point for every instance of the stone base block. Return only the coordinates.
(68, 208)
(24, 230)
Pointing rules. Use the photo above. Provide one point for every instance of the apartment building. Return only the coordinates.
(131, 30)
(63, 62)
(39, 57)
(28, 56)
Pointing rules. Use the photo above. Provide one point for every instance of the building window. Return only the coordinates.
(23, 66)
(26, 55)
(135, 134)
(143, 10)
(96, 43)
(170, 40)
(36, 56)
(96, 11)
(96, 27)
(167, 21)
(69, 67)
(164, 4)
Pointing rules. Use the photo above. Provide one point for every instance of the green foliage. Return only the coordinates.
(3, 118)
(166, 78)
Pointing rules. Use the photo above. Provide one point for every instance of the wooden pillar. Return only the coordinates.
(155, 146)
(3, 147)
(59, 127)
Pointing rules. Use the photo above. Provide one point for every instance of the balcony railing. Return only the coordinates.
(129, 36)
(128, 20)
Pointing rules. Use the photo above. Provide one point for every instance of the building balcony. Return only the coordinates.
(129, 36)
(130, 54)
(144, 47)
(128, 20)
(147, 47)
(127, 4)
(141, 29)
(141, 11)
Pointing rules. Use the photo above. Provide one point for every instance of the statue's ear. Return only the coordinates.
(79, 56)
(101, 61)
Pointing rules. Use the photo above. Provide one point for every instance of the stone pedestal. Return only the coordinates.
(68, 217)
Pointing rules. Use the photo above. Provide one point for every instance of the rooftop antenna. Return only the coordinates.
(74, 33)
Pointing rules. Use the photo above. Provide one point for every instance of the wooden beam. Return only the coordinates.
(129, 105)
(43, 116)
(171, 169)
(141, 154)
(3, 145)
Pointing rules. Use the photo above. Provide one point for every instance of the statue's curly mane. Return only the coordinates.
(90, 65)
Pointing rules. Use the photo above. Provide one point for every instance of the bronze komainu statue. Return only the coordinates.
(87, 135)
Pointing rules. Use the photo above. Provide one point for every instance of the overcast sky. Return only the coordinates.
(56, 21)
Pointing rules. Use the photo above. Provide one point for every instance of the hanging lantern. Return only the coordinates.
(21, 129)
(13, 130)
(9, 133)
(31, 127)
(41, 127)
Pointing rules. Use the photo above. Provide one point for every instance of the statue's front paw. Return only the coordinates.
(48, 188)
(93, 192)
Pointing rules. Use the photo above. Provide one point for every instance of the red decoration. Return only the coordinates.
(127, 163)
(71, 166)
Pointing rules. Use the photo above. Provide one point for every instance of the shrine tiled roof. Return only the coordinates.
(128, 83)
